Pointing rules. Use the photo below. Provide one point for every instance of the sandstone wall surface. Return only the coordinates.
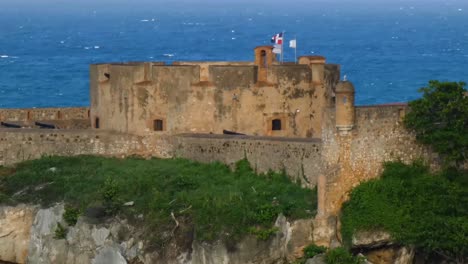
(299, 158)
(18, 145)
(27, 114)
(211, 97)
(378, 136)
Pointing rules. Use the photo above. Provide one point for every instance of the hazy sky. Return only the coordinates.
(201, 4)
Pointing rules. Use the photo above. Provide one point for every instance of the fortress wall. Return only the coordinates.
(300, 158)
(17, 145)
(37, 114)
(231, 77)
(167, 98)
(378, 136)
(286, 74)
(210, 98)
(118, 95)
(217, 63)
(331, 78)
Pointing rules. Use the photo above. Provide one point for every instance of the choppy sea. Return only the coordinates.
(387, 50)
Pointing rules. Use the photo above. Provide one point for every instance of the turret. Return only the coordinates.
(344, 106)
(264, 58)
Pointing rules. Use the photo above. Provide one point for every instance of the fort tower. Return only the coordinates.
(345, 106)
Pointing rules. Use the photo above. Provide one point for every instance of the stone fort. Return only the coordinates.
(295, 117)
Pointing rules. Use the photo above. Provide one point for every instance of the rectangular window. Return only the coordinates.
(158, 125)
(276, 124)
(96, 122)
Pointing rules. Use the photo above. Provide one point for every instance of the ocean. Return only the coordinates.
(388, 49)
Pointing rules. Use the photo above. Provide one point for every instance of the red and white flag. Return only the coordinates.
(277, 39)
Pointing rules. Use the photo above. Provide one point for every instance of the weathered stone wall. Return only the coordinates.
(378, 136)
(211, 97)
(27, 114)
(17, 145)
(300, 158)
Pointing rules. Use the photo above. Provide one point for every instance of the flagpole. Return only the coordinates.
(295, 49)
(282, 49)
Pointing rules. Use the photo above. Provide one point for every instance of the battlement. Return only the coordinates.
(66, 117)
(203, 72)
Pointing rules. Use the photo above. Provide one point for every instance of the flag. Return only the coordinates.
(292, 43)
(277, 39)
(277, 49)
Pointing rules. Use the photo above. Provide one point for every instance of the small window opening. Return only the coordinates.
(264, 58)
(345, 100)
(401, 114)
(107, 75)
(96, 122)
(276, 124)
(158, 125)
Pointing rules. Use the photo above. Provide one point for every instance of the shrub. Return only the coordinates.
(342, 256)
(110, 196)
(263, 234)
(440, 119)
(416, 207)
(60, 232)
(70, 215)
(312, 250)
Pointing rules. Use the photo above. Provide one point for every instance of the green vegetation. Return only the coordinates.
(263, 234)
(312, 250)
(71, 215)
(440, 119)
(110, 196)
(342, 256)
(186, 197)
(332, 256)
(60, 232)
(415, 206)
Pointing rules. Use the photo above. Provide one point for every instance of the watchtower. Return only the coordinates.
(264, 58)
(344, 106)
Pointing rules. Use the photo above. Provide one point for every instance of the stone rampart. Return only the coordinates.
(299, 158)
(378, 136)
(28, 114)
(18, 145)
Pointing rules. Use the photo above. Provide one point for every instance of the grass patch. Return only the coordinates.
(209, 199)
(416, 207)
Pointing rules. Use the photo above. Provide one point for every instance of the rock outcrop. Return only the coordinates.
(379, 248)
(29, 236)
(15, 227)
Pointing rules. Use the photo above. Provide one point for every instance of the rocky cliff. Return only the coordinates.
(28, 235)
